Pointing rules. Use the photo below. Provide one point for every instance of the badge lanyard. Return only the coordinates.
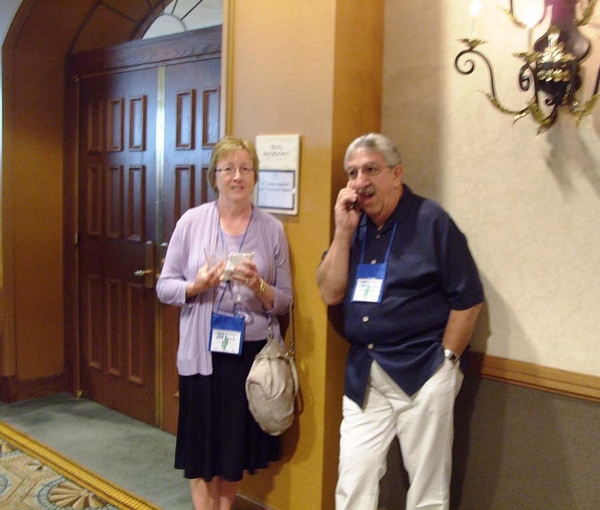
(227, 331)
(371, 277)
(243, 237)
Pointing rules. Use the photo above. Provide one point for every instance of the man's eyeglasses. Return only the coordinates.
(230, 170)
(370, 170)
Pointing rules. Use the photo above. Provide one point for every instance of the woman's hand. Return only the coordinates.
(206, 278)
(247, 274)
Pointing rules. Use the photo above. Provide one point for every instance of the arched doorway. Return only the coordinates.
(146, 117)
(36, 359)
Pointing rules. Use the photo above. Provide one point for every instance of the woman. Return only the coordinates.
(217, 438)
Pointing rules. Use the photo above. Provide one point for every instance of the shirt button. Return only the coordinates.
(377, 236)
(365, 318)
(370, 346)
(374, 261)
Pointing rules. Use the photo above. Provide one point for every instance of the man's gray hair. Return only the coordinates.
(375, 142)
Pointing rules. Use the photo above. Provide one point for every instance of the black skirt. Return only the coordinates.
(216, 434)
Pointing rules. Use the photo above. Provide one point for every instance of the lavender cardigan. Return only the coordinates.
(196, 231)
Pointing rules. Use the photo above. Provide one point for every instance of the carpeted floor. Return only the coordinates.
(33, 476)
(130, 454)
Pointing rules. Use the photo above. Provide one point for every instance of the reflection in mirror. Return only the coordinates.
(183, 15)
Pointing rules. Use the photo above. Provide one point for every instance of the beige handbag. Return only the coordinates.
(272, 385)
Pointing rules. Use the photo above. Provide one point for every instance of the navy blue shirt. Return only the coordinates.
(430, 272)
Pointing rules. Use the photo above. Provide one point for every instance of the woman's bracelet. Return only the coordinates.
(262, 286)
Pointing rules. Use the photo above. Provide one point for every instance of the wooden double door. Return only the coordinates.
(144, 139)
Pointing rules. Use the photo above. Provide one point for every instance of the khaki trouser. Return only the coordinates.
(424, 425)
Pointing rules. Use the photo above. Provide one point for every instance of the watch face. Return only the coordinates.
(453, 357)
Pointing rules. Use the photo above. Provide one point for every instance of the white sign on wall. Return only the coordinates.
(278, 174)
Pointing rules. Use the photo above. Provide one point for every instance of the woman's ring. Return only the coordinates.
(247, 280)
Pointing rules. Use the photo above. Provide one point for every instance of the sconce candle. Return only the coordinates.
(552, 65)
(474, 10)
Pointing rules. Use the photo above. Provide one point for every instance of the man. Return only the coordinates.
(411, 298)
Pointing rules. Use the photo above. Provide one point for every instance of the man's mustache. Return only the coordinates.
(365, 191)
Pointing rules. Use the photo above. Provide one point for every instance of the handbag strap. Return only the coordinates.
(292, 349)
(289, 354)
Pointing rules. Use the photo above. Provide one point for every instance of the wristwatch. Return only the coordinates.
(451, 355)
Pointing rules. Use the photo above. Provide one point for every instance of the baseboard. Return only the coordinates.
(245, 503)
(8, 389)
(13, 389)
(572, 384)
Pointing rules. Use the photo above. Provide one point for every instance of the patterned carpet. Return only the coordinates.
(33, 476)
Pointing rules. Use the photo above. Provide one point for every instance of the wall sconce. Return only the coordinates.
(551, 65)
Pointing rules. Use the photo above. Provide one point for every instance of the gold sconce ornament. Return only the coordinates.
(551, 65)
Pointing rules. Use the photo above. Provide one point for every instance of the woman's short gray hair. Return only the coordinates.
(375, 142)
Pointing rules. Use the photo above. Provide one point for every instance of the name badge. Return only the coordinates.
(369, 283)
(226, 334)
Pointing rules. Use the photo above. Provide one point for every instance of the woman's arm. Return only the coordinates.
(281, 287)
(175, 285)
(171, 287)
(274, 289)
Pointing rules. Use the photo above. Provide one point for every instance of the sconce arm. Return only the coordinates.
(580, 112)
(597, 83)
(466, 66)
(586, 108)
(587, 14)
(518, 114)
(545, 121)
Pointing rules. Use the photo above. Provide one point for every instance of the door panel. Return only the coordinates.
(117, 232)
(192, 129)
(128, 204)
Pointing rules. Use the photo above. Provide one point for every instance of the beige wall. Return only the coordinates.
(529, 205)
(296, 67)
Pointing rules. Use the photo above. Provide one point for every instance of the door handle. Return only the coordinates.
(149, 274)
(142, 272)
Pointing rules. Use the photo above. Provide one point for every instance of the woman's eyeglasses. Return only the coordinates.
(230, 170)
